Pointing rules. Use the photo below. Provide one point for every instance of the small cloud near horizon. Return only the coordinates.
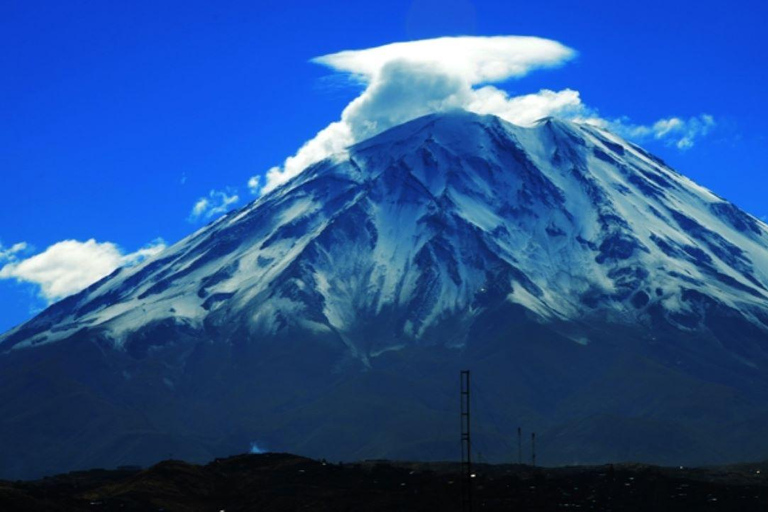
(70, 266)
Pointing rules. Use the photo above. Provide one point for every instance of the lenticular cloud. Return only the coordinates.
(474, 59)
(407, 80)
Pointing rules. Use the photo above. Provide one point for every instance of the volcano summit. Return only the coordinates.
(601, 299)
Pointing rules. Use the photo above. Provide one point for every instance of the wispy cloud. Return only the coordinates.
(11, 253)
(403, 81)
(674, 131)
(254, 184)
(215, 203)
(69, 266)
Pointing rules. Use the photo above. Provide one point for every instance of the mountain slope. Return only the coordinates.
(563, 262)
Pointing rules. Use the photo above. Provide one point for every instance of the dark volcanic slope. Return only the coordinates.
(600, 298)
(282, 483)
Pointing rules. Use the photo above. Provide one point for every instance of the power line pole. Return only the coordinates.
(533, 449)
(519, 445)
(466, 444)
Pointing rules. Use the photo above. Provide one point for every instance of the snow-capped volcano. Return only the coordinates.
(431, 222)
(447, 233)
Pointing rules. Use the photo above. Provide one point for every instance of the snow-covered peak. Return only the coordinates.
(423, 227)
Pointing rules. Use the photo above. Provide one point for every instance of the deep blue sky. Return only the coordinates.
(107, 107)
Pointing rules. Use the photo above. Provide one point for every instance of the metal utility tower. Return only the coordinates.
(533, 449)
(466, 445)
(519, 445)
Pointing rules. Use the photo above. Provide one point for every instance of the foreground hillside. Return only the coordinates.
(283, 482)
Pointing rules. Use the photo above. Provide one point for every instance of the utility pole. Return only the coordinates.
(519, 445)
(533, 449)
(466, 445)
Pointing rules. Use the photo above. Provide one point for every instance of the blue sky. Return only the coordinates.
(117, 118)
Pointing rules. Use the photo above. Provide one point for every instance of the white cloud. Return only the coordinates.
(254, 183)
(674, 131)
(526, 109)
(682, 133)
(407, 80)
(216, 203)
(475, 59)
(403, 81)
(69, 266)
(330, 140)
(12, 252)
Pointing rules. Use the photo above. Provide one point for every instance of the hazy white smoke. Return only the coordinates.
(255, 448)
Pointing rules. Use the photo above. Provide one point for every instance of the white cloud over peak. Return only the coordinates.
(69, 266)
(528, 108)
(403, 81)
(215, 203)
(407, 80)
(474, 59)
